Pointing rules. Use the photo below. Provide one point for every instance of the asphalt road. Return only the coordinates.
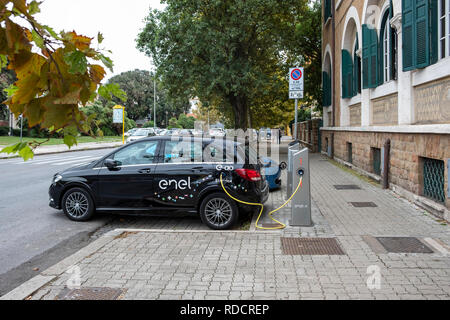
(33, 235)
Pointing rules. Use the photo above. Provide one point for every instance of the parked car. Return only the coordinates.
(158, 174)
(130, 132)
(141, 133)
(272, 173)
(216, 132)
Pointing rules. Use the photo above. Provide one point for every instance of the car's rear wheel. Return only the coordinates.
(218, 211)
(77, 205)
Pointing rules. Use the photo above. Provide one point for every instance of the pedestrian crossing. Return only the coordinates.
(51, 161)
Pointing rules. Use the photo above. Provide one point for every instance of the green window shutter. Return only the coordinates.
(408, 34)
(365, 55)
(373, 81)
(324, 89)
(434, 41)
(370, 57)
(422, 39)
(347, 72)
(327, 10)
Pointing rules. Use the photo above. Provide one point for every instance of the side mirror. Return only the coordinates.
(112, 164)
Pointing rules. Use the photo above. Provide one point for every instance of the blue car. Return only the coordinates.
(272, 171)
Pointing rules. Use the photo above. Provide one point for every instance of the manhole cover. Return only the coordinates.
(363, 204)
(347, 187)
(403, 245)
(311, 246)
(90, 294)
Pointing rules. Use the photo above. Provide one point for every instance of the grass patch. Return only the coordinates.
(6, 141)
(356, 174)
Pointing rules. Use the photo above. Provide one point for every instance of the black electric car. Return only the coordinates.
(165, 174)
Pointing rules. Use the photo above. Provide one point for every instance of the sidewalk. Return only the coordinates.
(201, 264)
(63, 148)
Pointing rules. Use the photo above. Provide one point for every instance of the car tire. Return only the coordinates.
(78, 205)
(210, 215)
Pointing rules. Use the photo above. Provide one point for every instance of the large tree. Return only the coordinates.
(223, 51)
(139, 87)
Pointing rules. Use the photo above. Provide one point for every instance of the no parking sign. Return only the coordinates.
(296, 81)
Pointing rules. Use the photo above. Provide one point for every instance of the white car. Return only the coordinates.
(141, 134)
(130, 132)
(216, 132)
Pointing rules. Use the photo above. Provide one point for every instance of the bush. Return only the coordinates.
(4, 131)
(108, 132)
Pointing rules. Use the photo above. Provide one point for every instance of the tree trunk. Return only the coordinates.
(240, 109)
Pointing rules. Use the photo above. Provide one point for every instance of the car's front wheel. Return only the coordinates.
(218, 211)
(77, 205)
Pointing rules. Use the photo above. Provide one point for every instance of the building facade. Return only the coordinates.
(386, 76)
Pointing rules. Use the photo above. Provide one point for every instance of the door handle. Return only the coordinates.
(198, 168)
(145, 171)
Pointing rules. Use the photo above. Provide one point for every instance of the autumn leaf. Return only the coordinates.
(77, 61)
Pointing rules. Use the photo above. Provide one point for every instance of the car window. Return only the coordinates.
(138, 153)
(182, 151)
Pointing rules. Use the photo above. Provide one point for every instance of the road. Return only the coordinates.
(33, 235)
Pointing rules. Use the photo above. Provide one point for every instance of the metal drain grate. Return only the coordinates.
(90, 294)
(363, 204)
(403, 245)
(311, 246)
(347, 187)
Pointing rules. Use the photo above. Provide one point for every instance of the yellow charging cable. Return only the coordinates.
(282, 225)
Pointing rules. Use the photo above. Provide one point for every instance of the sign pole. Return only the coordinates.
(296, 119)
(123, 126)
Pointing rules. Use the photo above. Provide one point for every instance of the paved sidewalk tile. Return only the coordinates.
(198, 264)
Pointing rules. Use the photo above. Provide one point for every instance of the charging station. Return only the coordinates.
(301, 202)
(292, 149)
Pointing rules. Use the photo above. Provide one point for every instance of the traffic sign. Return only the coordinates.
(296, 79)
(296, 94)
(118, 115)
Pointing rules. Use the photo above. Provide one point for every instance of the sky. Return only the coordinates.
(120, 21)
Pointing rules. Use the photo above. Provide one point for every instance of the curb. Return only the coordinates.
(99, 147)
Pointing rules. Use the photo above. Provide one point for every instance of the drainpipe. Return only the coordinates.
(333, 85)
(387, 156)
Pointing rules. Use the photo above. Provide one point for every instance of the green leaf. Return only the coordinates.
(37, 39)
(21, 148)
(70, 140)
(11, 90)
(112, 89)
(3, 61)
(26, 153)
(100, 38)
(33, 7)
(77, 62)
(107, 62)
(51, 32)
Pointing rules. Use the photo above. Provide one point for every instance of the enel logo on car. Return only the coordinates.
(181, 184)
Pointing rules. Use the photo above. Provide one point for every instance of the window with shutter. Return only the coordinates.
(327, 10)
(370, 57)
(347, 73)
(422, 34)
(408, 34)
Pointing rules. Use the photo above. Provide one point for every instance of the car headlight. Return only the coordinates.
(57, 178)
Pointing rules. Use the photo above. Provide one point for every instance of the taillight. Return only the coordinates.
(249, 174)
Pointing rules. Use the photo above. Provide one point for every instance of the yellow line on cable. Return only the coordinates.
(282, 225)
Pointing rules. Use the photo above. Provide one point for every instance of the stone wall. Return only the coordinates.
(406, 152)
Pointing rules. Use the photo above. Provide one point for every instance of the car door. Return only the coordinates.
(131, 184)
(180, 173)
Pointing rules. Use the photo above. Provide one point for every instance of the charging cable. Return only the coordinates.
(281, 225)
